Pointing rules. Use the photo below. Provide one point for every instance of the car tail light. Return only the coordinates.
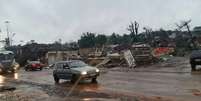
(33, 65)
(38, 65)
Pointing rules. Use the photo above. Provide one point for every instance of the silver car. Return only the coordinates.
(74, 70)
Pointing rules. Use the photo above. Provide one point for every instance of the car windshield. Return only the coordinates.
(77, 64)
(6, 56)
(34, 62)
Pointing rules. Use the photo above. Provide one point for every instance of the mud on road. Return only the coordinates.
(168, 81)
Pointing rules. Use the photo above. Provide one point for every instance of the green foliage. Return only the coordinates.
(87, 40)
(141, 38)
(100, 40)
(126, 39)
(115, 39)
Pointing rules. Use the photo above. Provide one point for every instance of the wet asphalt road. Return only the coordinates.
(169, 81)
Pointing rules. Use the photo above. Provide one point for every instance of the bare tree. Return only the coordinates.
(133, 29)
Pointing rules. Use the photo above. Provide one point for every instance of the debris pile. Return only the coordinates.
(163, 53)
(142, 53)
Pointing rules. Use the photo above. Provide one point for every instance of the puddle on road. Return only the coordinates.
(4, 77)
(16, 76)
(82, 86)
(87, 99)
(89, 87)
(99, 99)
(195, 92)
(197, 72)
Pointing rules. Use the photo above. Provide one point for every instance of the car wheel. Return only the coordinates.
(41, 68)
(193, 67)
(26, 69)
(56, 79)
(13, 71)
(94, 80)
(74, 79)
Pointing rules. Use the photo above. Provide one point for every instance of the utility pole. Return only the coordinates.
(191, 40)
(184, 24)
(8, 37)
(1, 41)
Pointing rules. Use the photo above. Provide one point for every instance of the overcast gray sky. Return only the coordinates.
(49, 20)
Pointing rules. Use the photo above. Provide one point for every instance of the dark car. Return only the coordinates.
(195, 59)
(7, 62)
(33, 65)
(74, 70)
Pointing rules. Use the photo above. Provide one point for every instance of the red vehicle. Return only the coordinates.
(33, 65)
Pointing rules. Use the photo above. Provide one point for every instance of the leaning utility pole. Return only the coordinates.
(184, 24)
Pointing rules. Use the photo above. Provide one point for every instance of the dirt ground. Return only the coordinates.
(168, 81)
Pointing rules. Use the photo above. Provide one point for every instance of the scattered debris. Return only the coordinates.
(160, 51)
(142, 53)
(129, 58)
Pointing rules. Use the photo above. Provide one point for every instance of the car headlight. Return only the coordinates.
(97, 70)
(84, 73)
